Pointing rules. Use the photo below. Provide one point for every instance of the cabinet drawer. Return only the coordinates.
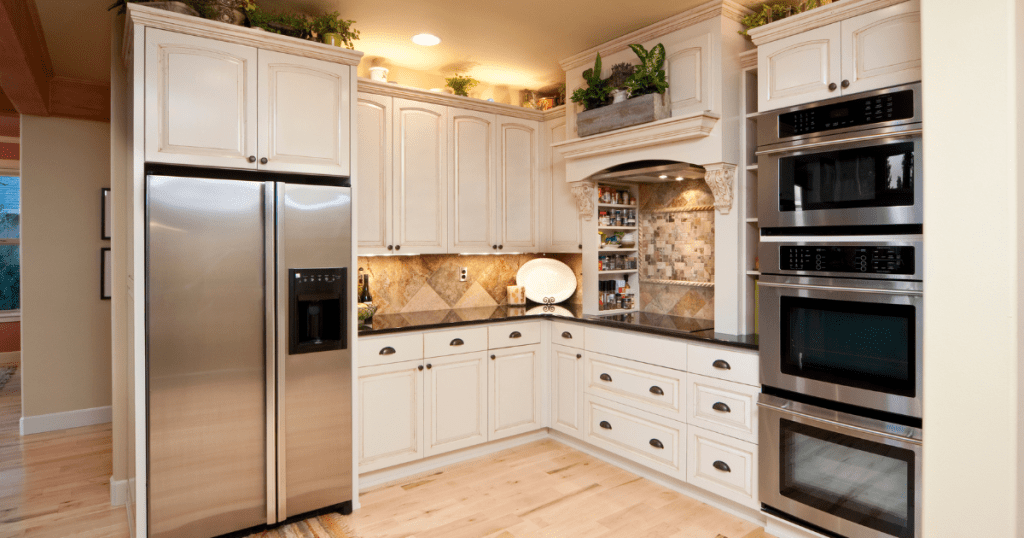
(723, 407)
(513, 334)
(724, 364)
(461, 340)
(567, 334)
(666, 352)
(390, 349)
(722, 465)
(658, 390)
(650, 440)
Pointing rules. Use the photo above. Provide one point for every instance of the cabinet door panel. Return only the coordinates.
(518, 184)
(200, 101)
(471, 172)
(514, 391)
(799, 69)
(882, 48)
(563, 219)
(304, 115)
(689, 76)
(390, 415)
(456, 402)
(421, 178)
(374, 174)
(567, 390)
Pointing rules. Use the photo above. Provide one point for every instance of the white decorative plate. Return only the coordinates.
(546, 280)
(552, 309)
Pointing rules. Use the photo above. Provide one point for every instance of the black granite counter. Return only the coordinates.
(700, 330)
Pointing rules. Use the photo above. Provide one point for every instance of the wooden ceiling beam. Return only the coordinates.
(25, 67)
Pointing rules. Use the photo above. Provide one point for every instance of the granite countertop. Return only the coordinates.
(700, 330)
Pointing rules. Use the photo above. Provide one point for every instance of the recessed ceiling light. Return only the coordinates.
(427, 40)
(679, 179)
(662, 177)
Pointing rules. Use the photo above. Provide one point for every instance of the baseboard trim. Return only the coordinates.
(118, 492)
(65, 420)
(390, 475)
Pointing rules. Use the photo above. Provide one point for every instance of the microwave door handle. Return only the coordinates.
(806, 412)
(871, 291)
(910, 133)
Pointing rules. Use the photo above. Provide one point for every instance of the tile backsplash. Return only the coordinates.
(677, 246)
(431, 282)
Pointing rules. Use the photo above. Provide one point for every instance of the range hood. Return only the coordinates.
(650, 171)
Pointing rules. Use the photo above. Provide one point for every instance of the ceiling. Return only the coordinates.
(497, 42)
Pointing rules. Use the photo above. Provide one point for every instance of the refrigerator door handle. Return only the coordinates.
(282, 349)
(270, 331)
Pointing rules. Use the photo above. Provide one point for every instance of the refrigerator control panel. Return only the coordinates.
(317, 310)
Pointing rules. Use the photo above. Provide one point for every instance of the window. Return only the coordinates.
(10, 244)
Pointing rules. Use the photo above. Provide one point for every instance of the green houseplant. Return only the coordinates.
(334, 30)
(649, 76)
(598, 90)
(620, 74)
(771, 12)
(461, 84)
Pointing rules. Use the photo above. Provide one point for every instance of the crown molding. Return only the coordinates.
(554, 113)
(454, 101)
(816, 18)
(149, 17)
(701, 13)
(656, 133)
(748, 59)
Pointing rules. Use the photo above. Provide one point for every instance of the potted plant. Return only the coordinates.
(646, 103)
(461, 84)
(620, 74)
(177, 7)
(597, 92)
(776, 11)
(649, 76)
(334, 30)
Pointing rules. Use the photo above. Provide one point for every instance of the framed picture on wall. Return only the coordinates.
(106, 277)
(105, 216)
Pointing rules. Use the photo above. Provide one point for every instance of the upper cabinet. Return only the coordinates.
(214, 103)
(561, 220)
(373, 174)
(472, 226)
(518, 183)
(873, 50)
(420, 177)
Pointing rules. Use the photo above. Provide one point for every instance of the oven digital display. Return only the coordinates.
(848, 259)
(864, 111)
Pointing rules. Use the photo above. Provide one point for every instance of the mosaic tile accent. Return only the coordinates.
(431, 282)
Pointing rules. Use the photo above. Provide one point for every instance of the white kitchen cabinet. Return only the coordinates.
(561, 221)
(390, 414)
(200, 101)
(455, 402)
(472, 226)
(567, 390)
(870, 51)
(374, 174)
(518, 184)
(420, 189)
(304, 115)
(514, 391)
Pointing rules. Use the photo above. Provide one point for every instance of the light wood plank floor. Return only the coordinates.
(54, 484)
(540, 490)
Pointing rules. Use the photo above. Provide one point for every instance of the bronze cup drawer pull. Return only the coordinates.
(721, 466)
(388, 351)
(657, 390)
(516, 334)
(721, 365)
(656, 443)
(604, 424)
(720, 406)
(456, 342)
(567, 335)
(606, 377)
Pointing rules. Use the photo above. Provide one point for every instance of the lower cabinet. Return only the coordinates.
(455, 402)
(515, 392)
(722, 465)
(567, 379)
(390, 414)
(646, 438)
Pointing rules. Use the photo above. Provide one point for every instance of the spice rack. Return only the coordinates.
(747, 189)
(618, 275)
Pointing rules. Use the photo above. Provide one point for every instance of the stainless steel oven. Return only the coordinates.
(850, 161)
(855, 341)
(848, 475)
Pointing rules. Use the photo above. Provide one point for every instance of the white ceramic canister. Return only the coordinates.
(379, 74)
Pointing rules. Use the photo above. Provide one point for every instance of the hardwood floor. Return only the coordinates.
(542, 489)
(54, 484)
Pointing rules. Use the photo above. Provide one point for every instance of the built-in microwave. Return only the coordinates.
(850, 161)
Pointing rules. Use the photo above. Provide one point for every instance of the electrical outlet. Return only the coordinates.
(463, 274)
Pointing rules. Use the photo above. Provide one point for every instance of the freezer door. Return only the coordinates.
(314, 376)
(206, 356)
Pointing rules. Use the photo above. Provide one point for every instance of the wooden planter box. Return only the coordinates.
(643, 109)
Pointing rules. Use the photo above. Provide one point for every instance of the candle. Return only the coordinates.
(516, 295)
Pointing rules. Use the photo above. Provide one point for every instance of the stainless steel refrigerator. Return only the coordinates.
(248, 360)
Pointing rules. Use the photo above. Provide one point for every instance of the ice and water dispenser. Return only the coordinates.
(317, 312)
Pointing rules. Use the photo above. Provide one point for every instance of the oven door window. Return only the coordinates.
(857, 344)
(874, 176)
(868, 483)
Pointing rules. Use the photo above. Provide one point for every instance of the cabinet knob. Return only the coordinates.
(604, 424)
(398, 247)
(456, 342)
(388, 351)
(832, 87)
(391, 247)
(252, 158)
(567, 335)
(516, 334)
(263, 160)
(493, 357)
(578, 356)
(719, 406)
(420, 367)
(657, 444)
(657, 390)
(846, 84)
(581, 247)
(721, 466)
(429, 366)
(721, 365)
(495, 247)
(606, 377)
(501, 247)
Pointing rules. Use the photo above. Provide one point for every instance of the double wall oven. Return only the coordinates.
(841, 297)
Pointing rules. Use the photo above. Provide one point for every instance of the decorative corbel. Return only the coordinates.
(721, 177)
(584, 193)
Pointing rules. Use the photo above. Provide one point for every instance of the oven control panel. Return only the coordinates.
(856, 112)
(885, 260)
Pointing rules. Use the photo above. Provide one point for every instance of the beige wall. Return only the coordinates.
(65, 325)
(973, 414)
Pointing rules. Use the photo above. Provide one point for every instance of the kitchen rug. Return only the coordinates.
(325, 526)
(5, 374)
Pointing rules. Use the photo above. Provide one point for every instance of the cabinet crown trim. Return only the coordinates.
(458, 102)
(142, 16)
(656, 133)
(816, 18)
